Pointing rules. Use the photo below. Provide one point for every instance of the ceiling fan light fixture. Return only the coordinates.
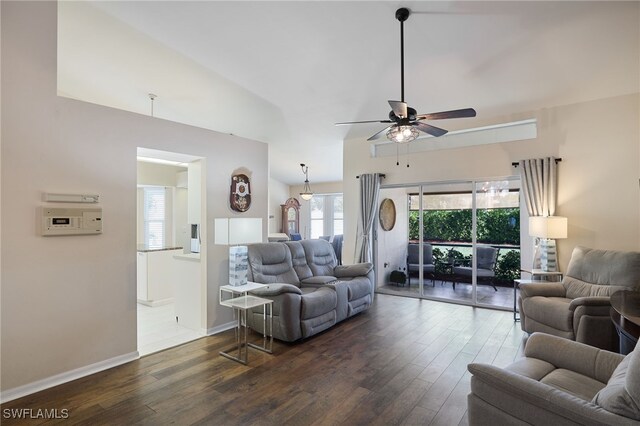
(402, 134)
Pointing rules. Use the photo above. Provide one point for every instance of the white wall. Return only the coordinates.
(317, 188)
(599, 142)
(158, 174)
(70, 302)
(278, 194)
(392, 245)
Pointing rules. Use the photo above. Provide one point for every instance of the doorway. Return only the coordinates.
(452, 241)
(171, 279)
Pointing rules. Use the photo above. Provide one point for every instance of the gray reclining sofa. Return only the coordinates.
(310, 291)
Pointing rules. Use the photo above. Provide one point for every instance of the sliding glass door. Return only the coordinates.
(452, 241)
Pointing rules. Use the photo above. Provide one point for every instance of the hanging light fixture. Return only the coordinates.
(306, 193)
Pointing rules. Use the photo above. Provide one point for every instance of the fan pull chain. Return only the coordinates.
(397, 155)
(408, 156)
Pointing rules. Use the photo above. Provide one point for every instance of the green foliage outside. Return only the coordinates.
(494, 226)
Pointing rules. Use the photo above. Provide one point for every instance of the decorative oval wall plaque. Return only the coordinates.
(240, 194)
(387, 214)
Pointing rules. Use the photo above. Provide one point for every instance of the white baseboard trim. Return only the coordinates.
(65, 377)
(221, 328)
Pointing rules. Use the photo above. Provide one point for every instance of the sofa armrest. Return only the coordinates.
(541, 395)
(356, 270)
(590, 301)
(563, 353)
(275, 289)
(542, 289)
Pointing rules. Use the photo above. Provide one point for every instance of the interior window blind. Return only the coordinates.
(154, 217)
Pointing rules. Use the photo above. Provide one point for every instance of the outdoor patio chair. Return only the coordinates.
(413, 261)
(487, 259)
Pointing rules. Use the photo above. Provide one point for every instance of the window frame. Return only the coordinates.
(328, 214)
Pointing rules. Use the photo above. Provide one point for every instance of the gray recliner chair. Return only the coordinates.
(578, 308)
(558, 382)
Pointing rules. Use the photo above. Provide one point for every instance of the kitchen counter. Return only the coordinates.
(144, 248)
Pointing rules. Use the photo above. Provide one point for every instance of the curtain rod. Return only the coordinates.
(517, 163)
(382, 175)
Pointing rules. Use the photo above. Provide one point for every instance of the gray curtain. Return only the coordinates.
(539, 185)
(369, 192)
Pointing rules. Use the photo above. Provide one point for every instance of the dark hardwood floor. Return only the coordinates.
(402, 362)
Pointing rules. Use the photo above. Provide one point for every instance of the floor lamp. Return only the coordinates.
(547, 229)
(236, 232)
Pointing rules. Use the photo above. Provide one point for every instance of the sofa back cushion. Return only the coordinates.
(605, 267)
(487, 257)
(299, 260)
(576, 288)
(320, 257)
(271, 263)
(622, 393)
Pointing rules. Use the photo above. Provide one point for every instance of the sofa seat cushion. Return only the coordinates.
(357, 287)
(574, 383)
(622, 393)
(320, 279)
(551, 311)
(317, 301)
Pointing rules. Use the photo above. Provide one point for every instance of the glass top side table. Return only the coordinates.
(242, 305)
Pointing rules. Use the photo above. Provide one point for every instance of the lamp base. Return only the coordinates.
(548, 255)
(238, 265)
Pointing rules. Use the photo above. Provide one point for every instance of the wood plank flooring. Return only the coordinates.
(403, 362)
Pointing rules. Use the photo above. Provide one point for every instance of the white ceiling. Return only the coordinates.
(284, 72)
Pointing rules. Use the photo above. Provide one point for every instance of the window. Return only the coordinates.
(326, 215)
(154, 217)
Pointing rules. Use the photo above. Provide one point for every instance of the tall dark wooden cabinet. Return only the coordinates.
(291, 217)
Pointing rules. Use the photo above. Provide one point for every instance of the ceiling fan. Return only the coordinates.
(405, 121)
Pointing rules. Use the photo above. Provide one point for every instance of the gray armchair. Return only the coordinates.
(413, 261)
(487, 258)
(578, 308)
(558, 382)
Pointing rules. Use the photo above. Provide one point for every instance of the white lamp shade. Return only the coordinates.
(550, 227)
(238, 230)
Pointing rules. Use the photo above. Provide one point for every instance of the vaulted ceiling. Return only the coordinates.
(285, 72)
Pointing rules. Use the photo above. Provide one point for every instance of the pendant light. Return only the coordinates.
(306, 193)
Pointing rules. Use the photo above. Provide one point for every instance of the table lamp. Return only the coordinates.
(236, 232)
(547, 229)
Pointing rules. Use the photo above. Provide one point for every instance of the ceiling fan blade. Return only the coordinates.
(362, 122)
(399, 108)
(432, 130)
(380, 133)
(456, 113)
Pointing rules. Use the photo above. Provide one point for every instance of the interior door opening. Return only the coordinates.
(171, 290)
